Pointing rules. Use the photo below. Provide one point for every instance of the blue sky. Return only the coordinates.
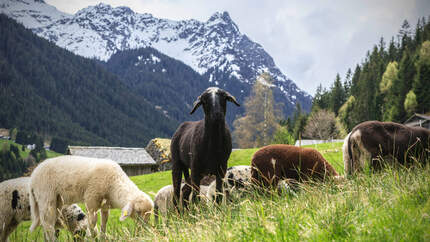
(310, 41)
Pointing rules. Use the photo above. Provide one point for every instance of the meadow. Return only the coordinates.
(391, 205)
(26, 152)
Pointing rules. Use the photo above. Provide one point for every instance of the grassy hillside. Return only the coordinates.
(25, 153)
(46, 89)
(390, 205)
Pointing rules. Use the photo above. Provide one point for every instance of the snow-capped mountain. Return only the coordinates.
(216, 48)
(32, 13)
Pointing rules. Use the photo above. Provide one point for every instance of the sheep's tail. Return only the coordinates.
(347, 154)
(34, 208)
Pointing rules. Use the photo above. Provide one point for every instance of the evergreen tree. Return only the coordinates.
(13, 133)
(260, 122)
(389, 92)
(406, 75)
(299, 122)
(348, 82)
(59, 145)
(346, 115)
(321, 99)
(404, 35)
(410, 102)
(337, 95)
(391, 83)
(392, 51)
(22, 137)
(421, 85)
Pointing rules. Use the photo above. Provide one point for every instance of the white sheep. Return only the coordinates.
(163, 200)
(15, 208)
(99, 183)
(236, 178)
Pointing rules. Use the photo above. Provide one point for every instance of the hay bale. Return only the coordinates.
(159, 149)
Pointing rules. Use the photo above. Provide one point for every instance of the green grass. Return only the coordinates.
(392, 205)
(25, 153)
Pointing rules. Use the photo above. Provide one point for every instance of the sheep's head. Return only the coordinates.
(214, 102)
(75, 219)
(140, 207)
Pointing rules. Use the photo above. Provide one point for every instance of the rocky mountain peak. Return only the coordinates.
(216, 49)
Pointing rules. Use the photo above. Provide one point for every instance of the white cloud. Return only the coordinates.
(310, 41)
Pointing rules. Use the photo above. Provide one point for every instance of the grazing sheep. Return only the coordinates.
(372, 142)
(99, 183)
(275, 162)
(204, 146)
(236, 178)
(163, 201)
(15, 208)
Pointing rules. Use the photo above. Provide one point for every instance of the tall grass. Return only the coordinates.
(390, 205)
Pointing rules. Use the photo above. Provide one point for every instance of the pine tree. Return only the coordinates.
(348, 82)
(406, 75)
(337, 95)
(404, 34)
(389, 92)
(321, 98)
(410, 102)
(346, 115)
(260, 122)
(299, 122)
(421, 85)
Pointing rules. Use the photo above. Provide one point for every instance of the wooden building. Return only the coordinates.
(418, 120)
(134, 161)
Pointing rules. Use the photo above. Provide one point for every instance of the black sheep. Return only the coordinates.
(203, 146)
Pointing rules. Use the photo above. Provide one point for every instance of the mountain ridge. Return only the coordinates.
(55, 93)
(216, 48)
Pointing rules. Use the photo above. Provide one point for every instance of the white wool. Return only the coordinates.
(99, 183)
(236, 178)
(360, 155)
(163, 201)
(346, 159)
(15, 208)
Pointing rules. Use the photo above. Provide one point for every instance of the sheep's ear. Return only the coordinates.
(126, 211)
(197, 103)
(232, 99)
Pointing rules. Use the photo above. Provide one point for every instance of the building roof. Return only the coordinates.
(416, 119)
(121, 155)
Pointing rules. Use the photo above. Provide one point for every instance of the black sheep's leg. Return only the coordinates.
(196, 177)
(176, 180)
(186, 175)
(376, 163)
(219, 183)
(186, 190)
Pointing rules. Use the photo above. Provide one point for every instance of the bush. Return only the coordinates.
(282, 136)
(59, 145)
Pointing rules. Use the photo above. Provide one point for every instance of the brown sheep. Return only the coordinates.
(277, 162)
(373, 142)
